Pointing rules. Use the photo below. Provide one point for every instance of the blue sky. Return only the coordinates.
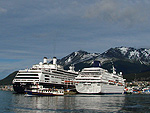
(32, 29)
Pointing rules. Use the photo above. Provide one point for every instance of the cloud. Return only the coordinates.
(118, 11)
(2, 10)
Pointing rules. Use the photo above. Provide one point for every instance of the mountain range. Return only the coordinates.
(133, 63)
(123, 55)
(128, 60)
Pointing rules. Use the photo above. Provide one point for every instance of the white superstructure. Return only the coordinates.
(98, 80)
(46, 74)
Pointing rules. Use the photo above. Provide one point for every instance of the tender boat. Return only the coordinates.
(40, 91)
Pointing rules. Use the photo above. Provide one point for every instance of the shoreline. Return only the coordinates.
(6, 87)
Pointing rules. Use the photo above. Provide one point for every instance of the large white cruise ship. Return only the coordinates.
(95, 80)
(49, 75)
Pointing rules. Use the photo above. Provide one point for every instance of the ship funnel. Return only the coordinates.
(45, 60)
(71, 67)
(114, 70)
(120, 73)
(96, 64)
(54, 60)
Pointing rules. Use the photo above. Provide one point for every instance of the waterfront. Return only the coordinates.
(18, 103)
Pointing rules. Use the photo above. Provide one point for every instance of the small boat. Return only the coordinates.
(40, 91)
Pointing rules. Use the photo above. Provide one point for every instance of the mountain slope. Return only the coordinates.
(8, 79)
(76, 57)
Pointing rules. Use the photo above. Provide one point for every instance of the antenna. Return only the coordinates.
(113, 68)
(96, 64)
(54, 46)
(55, 38)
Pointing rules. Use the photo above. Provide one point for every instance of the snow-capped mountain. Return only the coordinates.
(125, 59)
(141, 55)
(77, 57)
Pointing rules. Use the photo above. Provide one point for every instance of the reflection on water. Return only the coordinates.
(137, 103)
(100, 103)
(76, 103)
(16, 103)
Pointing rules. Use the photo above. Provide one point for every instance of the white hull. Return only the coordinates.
(102, 89)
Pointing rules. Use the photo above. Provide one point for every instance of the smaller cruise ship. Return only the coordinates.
(96, 80)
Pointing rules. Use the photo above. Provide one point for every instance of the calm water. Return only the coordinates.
(18, 103)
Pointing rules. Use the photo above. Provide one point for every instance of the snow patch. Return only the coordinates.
(76, 53)
(124, 50)
(146, 52)
(134, 54)
(69, 59)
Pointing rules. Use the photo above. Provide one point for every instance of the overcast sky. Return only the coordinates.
(33, 29)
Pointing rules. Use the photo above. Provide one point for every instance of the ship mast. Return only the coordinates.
(113, 69)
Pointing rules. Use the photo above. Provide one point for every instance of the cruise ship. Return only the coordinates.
(49, 75)
(96, 80)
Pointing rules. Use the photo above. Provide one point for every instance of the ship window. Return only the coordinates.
(46, 75)
(46, 78)
(27, 75)
(111, 83)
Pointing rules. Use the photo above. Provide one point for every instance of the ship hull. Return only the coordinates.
(99, 89)
(19, 88)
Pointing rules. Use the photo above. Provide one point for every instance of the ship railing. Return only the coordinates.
(29, 70)
(67, 82)
(20, 80)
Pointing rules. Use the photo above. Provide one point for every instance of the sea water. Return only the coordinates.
(79, 103)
